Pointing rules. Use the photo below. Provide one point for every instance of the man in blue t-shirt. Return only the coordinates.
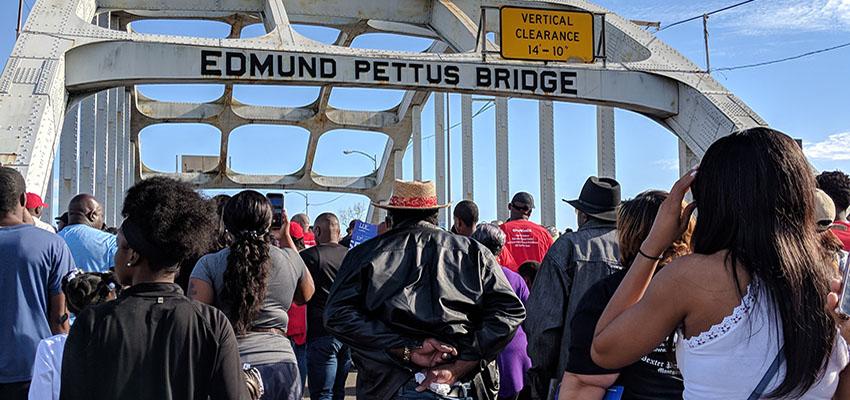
(93, 249)
(32, 265)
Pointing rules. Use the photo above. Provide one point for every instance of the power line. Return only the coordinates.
(488, 105)
(328, 202)
(743, 66)
(708, 13)
(763, 63)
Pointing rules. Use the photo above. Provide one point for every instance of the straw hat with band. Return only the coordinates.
(599, 198)
(412, 195)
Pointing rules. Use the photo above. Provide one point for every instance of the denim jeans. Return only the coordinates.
(301, 357)
(328, 363)
(280, 381)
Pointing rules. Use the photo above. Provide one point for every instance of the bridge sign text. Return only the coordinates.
(546, 35)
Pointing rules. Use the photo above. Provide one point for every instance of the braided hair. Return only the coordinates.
(248, 217)
(88, 289)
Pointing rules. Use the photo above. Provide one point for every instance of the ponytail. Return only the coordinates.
(247, 217)
(245, 278)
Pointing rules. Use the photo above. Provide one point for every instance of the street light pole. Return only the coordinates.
(20, 18)
(367, 155)
(306, 201)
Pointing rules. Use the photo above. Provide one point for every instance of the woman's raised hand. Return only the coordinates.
(672, 219)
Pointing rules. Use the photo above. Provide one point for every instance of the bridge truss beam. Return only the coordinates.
(65, 62)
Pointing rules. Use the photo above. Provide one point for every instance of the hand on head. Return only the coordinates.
(672, 219)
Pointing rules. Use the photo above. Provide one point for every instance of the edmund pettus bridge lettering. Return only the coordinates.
(301, 67)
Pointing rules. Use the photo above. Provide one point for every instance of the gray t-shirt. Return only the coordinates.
(287, 268)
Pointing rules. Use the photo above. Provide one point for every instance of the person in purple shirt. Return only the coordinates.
(513, 361)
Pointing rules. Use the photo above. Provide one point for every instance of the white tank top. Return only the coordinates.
(728, 360)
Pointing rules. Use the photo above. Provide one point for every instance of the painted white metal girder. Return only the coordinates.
(466, 140)
(548, 201)
(61, 55)
(502, 159)
(606, 160)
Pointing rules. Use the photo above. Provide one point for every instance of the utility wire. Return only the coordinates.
(28, 8)
(743, 66)
(708, 13)
(761, 64)
(327, 202)
(488, 105)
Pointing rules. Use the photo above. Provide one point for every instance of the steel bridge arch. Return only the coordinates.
(72, 49)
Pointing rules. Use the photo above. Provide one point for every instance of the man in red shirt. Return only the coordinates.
(836, 184)
(525, 239)
(303, 220)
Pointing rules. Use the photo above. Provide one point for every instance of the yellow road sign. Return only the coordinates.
(546, 35)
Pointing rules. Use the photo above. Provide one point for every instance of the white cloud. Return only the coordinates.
(835, 147)
(756, 18)
(789, 16)
(667, 164)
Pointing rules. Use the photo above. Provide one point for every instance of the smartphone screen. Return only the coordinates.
(276, 199)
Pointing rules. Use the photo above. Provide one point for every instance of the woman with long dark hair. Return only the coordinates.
(255, 283)
(750, 303)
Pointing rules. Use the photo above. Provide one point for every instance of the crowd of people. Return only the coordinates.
(726, 287)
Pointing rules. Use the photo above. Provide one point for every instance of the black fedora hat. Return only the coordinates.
(599, 198)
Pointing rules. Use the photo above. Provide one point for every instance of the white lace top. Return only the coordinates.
(728, 360)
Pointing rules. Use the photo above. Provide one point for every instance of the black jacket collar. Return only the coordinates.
(153, 289)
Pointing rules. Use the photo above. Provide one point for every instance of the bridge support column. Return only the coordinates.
(547, 200)
(69, 151)
(417, 141)
(687, 160)
(129, 164)
(121, 153)
(101, 145)
(88, 114)
(50, 198)
(440, 153)
(502, 167)
(466, 147)
(606, 159)
(111, 165)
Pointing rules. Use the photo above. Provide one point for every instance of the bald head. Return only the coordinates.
(326, 228)
(84, 209)
(301, 219)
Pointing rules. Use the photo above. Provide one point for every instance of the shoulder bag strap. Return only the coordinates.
(771, 372)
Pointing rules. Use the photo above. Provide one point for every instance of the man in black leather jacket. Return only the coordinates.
(419, 299)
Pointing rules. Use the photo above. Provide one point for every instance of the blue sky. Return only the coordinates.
(806, 98)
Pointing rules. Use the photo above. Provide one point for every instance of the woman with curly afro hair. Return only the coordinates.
(153, 342)
(255, 284)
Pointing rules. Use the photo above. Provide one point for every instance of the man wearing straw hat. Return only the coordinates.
(418, 300)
